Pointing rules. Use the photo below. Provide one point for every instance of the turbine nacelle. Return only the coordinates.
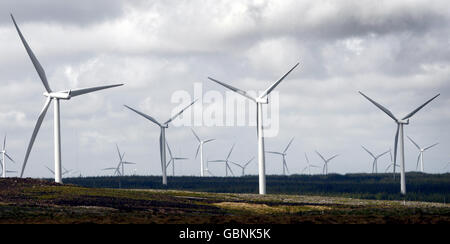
(264, 100)
(59, 95)
(404, 122)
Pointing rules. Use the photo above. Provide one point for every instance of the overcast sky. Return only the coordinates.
(397, 52)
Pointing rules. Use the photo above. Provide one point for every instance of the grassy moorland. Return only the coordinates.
(40, 201)
(420, 187)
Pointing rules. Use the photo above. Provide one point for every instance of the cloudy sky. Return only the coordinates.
(397, 52)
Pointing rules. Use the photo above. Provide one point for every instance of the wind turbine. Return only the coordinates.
(172, 159)
(122, 163)
(244, 165)
(421, 151)
(309, 165)
(226, 161)
(206, 169)
(399, 134)
(53, 172)
(325, 161)
(51, 95)
(200, 147)
(162, 137)
(262, 99)
(283, 155)
(4, 154)
(375, 159)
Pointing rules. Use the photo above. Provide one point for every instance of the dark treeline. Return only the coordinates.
(419, 186)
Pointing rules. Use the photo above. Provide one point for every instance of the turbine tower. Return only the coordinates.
(375, 159)
(283, 155)
(162, 137)
(226, 161)
(421, 151)
(5, 154)
(244, 165)
(399, 134)
(200, 147)
(262, 99)
(325, 162)
(172, 159)
(51, 95)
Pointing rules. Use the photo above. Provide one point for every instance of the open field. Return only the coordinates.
(420, 186)
(39, 201)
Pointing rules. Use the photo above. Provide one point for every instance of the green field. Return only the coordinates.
(41, 201)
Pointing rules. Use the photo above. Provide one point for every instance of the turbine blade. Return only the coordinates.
(198, 149)
(272, 152)
(217, 161)
(196, 136)
(419, 108)
(34, 134)
(320, 155)
(232, 147)
(307, 160)
(12, 160)
(413, 142)
(33, 58)
(118, 152)
(144, 115)
(4, 143)
(265, 93)
(210, 140)
(168, 148)
(389, 113)
(176, 115)
(243, 93)
(53, 172)
(287, 147)
(81, 91)
(430, 146)
(395, 145)
(332, 157)
(383, 153)
(249, 161)
(418, 161)
(367, 150)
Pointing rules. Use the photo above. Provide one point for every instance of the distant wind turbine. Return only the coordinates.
(244, 165)
(375, 159)
(421, 151)
(51, 95)
(309, 165)
(172, 159)
(207, 169)
(325, 162)
(283, 155)
(399, 134)
(200, 147)
(226, 161)
(262, 99)
(5, 154)
(162, 137)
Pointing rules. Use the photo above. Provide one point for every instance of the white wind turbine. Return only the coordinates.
(375, 159)
(309, 165)
(325, 162)
(244, 165)
(392, 164)
(399, 134)
(226, 161)
(162, 137)
(5, 154)
(172, 159)
(51, 95)
(262, 99)
(421, 151)
(283, 155)
(206, 169)
(122, 163)
(200, 147)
